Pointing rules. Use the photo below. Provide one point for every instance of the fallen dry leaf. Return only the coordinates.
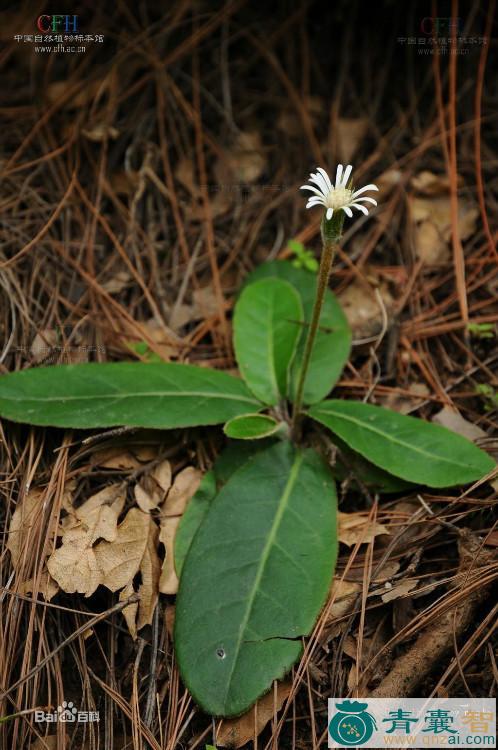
(428, 183)
(120, 559)
(350, 134)
(344, 594)
(244, 161)
(44, 586)
(453, 420)
(356, 527)
(101, 132)
(185, 485)
(162, 474)
(237, 732)
(404, 403)
(129, 612)
(401, 588)
(147, 494)
(22, 521)
(432, 225)
(73, 565)
(150, 570)
(363, 309)
(168, 582)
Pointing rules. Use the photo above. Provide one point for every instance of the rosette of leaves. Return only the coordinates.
(257, 545)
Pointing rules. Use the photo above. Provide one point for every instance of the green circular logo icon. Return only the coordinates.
(352, 724)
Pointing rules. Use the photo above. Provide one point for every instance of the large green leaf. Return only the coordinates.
(267, 324)
(333, 342)
(235, 455)
(407, 447)
(123, 393)
(255, 578)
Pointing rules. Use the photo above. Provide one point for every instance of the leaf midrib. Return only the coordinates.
(411, 446)
(283, 503)
(117, 395)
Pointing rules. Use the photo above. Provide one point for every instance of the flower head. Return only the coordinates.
(338, 196)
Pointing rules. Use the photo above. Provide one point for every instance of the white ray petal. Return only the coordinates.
(360, 208)
(325, 177)
(312, 189)
(345, 176)
(347, 211)
(363, 190)
(318, 180)
(330, 213)
(315, 202)
(367, 198)
(338, 176)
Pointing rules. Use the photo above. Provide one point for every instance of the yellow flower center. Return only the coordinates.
(338, 197)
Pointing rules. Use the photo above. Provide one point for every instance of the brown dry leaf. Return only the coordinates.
(432, 225)
(184, 487)
(120, 560)
(205, 303)
(453, 420)
(244, 161)
(163, 475)
(101, 131)
(129, 612)
(21, 523)
(237, 732)
(100, 512)
(147, 494)
(115, 458)
(74, 565)
(344, 594)
(150, 569)
(43, 343)
(428, 183)
(356, 527)
(350, 134)
(363, 309)
(403, 403)
(402, 588)
(168, 582)
(117, 283)
(45, 586)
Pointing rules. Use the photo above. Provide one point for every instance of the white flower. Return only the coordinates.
(337, 196)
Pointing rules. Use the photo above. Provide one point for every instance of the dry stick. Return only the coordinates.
(102, 616)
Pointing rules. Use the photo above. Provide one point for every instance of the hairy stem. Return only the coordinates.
(326, 260)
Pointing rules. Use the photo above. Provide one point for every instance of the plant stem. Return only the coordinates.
(329, 245)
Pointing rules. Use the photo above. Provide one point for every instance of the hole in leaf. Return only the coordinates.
(220, 653)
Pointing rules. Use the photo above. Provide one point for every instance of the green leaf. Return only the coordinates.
(192, 517)
(232, 458)
(333, 341)
(407, 447)
(350, 465)
(267, 325)
(251, 427)
(135, 394)
(255, 578)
